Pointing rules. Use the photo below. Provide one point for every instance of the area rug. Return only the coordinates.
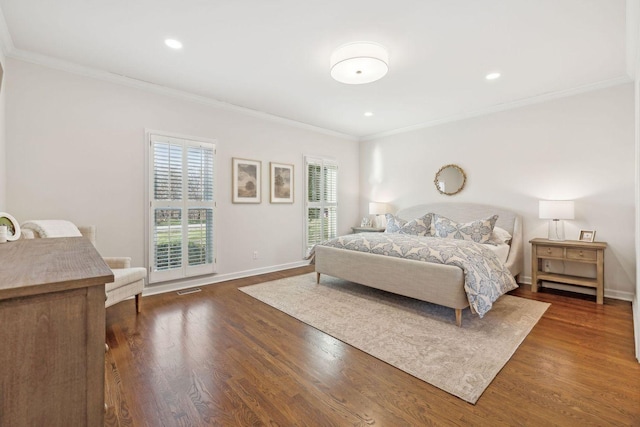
(417, 337)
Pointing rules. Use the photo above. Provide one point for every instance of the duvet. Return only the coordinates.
(485, 277)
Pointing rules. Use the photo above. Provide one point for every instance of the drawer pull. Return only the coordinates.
(548, 250)
(581, 253)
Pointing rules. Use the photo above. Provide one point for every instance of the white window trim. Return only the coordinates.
(186, 271)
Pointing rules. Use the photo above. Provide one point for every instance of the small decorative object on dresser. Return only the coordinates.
(366, 222)
(587, 235)
(568, 250)
(13, 228)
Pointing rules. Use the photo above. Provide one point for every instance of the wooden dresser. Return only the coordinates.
(52, 332)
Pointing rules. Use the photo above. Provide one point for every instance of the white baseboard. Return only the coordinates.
(217, 278)
(178, 285)
(608, 293)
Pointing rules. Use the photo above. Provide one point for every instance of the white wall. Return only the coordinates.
(77, 151)
(579, 148)
(633, 65)
(636, 298)
(3, 139)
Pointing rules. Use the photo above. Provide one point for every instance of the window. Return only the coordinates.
(321, 201)
(181, 208)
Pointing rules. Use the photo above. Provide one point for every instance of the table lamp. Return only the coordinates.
(555, 211)
(379, 209)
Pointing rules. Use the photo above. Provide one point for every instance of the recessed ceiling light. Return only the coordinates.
(492, 76)
(173, 43)
(368, 114)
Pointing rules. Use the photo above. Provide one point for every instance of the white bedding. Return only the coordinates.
(486, 277)
(501, 250)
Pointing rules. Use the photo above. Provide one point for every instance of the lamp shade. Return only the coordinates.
(359, 62)
(556, 209)
(377, 208)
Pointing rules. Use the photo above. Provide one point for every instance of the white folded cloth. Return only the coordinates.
(52, 228)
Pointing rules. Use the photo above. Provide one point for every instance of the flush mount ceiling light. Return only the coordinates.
(492, 76)
(368, 114)
(359, 62)
(173, 43)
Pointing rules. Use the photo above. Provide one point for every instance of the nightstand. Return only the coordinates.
(568, 250)
(367, 230)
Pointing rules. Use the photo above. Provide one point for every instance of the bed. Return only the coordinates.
(436, 283)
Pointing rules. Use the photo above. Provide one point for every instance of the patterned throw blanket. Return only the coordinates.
(485, 277)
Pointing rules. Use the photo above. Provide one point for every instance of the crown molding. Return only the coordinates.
(70, 67)
(504, 107)
(6, 42)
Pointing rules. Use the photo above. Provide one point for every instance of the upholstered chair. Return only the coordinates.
(128, 281)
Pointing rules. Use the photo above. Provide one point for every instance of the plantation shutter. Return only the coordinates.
(200, 216)
(321, 201)
(167, 192)
(181, 214)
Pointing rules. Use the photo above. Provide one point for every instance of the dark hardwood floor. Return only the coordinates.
(220, 357)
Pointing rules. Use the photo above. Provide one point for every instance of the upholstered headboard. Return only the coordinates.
(466, 212)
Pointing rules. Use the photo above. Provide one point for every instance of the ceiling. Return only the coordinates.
(273, 56)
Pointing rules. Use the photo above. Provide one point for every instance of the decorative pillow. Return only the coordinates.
(479, 231)
(500, 236)
(419, 226)
(393, 223)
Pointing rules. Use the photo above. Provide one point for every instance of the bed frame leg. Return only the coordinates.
(459, 317)
(318, 278)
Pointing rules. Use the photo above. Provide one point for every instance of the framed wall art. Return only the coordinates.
(587, 235)
(281, 183)
(246, 181)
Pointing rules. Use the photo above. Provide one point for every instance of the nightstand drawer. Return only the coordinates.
(550, 251)
(367, 230)
(586, 254)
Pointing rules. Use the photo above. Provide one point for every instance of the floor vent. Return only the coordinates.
(189, 291)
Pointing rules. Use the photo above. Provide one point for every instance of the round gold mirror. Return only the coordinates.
(450, 180)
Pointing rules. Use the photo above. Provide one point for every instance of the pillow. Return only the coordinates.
(479, 231)
(394, 223)
(500, 236)
(419, 226)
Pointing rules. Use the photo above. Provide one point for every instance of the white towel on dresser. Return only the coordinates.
(52, 228)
